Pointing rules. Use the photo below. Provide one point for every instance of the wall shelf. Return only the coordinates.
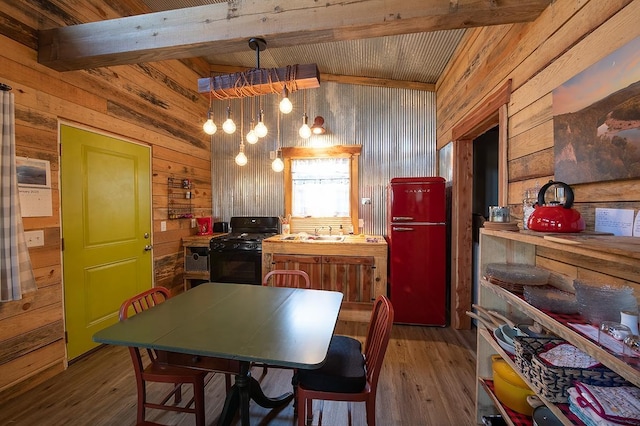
(179, 195)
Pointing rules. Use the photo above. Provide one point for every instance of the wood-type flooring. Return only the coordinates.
(428, 378)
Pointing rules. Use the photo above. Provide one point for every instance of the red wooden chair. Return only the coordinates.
(348, 374)
(155, 372)
(287, 278)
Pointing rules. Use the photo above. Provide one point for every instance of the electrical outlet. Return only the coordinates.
(272, 155)
(35, 238)
(366, 201)
(163, 226)
(193, 223)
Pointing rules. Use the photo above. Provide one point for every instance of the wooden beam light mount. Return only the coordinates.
(260, 81)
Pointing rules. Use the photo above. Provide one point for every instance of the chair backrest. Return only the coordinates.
(138, 303)
(143, 301)
(378, 335)
(287, 278)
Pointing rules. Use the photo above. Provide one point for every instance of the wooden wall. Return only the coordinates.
(155, 104)
(569, 36)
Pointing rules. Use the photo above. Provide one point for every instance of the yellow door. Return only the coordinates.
(106, 230)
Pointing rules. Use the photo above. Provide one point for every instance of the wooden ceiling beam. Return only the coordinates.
(225, 27)
(335, 78)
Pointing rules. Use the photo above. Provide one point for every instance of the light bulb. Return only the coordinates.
(277, 165)
(252, 138)
(209, 127)
(229, 126)
(241, 159)
(261, 130)
(286, 106)
(305, 131)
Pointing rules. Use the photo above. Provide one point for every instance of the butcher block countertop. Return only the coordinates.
(368, 240)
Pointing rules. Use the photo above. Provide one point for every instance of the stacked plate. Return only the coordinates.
(514, 276)
(598, 302)
(551, 299)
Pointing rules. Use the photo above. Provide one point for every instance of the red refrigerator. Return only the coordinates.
(416, 233)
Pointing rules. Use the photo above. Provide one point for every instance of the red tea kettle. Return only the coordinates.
(555, 217)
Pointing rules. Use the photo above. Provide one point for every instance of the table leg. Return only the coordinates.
(245, 389)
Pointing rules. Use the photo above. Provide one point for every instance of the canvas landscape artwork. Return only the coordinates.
(597, 120)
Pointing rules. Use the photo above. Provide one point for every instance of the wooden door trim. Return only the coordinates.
(493, 111)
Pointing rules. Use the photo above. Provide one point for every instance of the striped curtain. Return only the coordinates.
(16, 274)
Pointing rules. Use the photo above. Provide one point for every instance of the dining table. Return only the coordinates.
(227, 327)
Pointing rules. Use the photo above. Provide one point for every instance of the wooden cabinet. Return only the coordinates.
(351, 275)
(606, 259)
(354, 267)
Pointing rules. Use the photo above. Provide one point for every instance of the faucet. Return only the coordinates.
(330, 230)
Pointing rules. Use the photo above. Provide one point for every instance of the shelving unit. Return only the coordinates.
(196, 259)
(179, 195)
(567, 257)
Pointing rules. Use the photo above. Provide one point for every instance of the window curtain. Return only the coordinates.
(16, 274)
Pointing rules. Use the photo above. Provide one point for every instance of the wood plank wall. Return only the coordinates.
(569, 36)
(155, 104)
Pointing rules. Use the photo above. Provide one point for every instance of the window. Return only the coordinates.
(321, 187)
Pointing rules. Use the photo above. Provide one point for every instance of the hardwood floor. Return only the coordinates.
(428, 378)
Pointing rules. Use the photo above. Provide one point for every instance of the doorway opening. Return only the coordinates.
(485, 189)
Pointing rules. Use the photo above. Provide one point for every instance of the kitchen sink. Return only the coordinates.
(337, 238)
(315, 238)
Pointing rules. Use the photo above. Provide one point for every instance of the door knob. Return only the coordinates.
(148, 247)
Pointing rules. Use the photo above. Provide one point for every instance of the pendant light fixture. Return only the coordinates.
(209, 126)
(252, 138)
(277, 165)
(229, 126)
(305, 130)
(241, 158)
(285, 103)
(260, 129)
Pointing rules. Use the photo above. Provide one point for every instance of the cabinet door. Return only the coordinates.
(312, 265)
(350, 275)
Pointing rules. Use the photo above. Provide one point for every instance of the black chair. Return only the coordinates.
(348, 374)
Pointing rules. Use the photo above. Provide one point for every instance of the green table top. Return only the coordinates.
(279, 326)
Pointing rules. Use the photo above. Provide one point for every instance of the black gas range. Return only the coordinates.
(237, 257)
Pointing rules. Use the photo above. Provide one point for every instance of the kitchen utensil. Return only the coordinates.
(534, 330)
(497, 332)
(514, 276)
(542, 415)
(509, 328)
(556, 216)
(551, 299)
(509, 387)
(485, 312)
(598, 302)
(502, 341)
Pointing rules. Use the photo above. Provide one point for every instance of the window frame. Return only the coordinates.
(352, 152)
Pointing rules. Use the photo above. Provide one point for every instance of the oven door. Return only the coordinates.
(236, 266)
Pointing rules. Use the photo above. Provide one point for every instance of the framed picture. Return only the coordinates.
(596, 120)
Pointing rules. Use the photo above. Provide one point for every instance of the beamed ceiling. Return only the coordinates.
(396, 43)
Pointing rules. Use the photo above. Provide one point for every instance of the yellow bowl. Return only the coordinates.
(510, 389)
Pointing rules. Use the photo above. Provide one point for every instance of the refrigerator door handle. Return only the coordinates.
(402, 219)
(402, 228)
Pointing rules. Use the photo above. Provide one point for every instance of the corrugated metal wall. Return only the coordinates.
(395, 127)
